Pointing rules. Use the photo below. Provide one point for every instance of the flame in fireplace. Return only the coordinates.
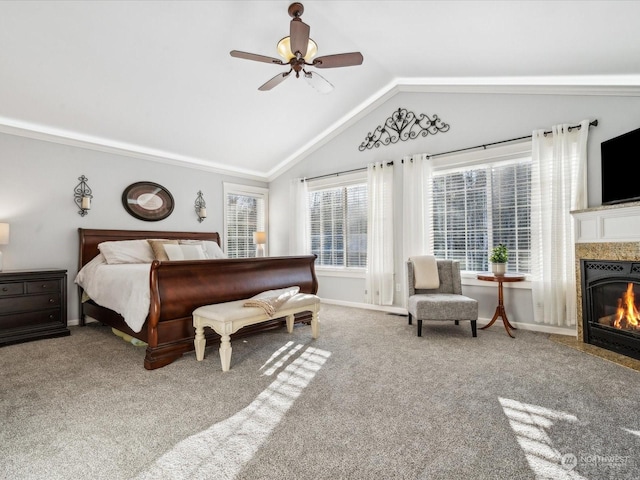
(627, 316)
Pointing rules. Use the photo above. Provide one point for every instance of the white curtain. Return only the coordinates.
(380, 279)
(415, 208)
(299, 240)
(559, 185)
(415, 186)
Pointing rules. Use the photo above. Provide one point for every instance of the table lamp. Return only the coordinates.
(4, 238)
(259, 238)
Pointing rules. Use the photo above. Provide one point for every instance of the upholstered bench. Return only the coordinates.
(229, 317)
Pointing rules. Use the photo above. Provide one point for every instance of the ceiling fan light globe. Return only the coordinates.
(284, 49)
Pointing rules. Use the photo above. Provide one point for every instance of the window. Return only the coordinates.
(481, 200)
(338, 222)
(244, 213)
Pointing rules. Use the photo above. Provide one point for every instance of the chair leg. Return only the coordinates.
(409, 319)
(419, 328)
(474, 329)
(457, 322)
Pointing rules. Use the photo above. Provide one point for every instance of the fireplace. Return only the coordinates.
(611, 305)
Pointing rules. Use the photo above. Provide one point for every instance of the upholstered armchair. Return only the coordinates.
(444, 303)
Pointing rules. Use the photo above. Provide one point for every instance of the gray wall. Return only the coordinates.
(475, 119)
(37, 181)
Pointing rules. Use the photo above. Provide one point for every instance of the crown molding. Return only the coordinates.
(600, 86)
(497, 85)
(74, 139)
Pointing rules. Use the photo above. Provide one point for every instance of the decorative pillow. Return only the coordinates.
(211, 249)
(425, 272)
(126, 251)
(184, 252)
(158, 248)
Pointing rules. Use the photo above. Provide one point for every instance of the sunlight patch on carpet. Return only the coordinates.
(285, 352)
(530, 424)
(221, 451)
(633, 432)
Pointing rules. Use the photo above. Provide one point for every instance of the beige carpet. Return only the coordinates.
(366, 400)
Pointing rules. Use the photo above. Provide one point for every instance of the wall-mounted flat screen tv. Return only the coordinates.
(620, 183)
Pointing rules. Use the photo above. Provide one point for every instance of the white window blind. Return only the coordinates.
(245, 213)
(479, 206)
(338, 225)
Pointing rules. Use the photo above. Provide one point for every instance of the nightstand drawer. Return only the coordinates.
(11, 289)
(30, 319)
(30, 302)
(43, 286)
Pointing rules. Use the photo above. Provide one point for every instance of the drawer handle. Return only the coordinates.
(44, 285)
(52, 300)
(52, 317)
(5, 289)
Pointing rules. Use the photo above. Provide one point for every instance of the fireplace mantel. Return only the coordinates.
(612, 223)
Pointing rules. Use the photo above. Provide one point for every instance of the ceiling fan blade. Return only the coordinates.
(318, 82)
(277, 80)
(257, 58)
(299, 33)
(339, 60)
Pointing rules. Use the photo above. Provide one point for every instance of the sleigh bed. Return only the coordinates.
(176, 288)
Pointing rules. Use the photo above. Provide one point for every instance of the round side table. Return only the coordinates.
(500, 311)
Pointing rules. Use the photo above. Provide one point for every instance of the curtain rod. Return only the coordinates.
(361, 169)
(593, 123)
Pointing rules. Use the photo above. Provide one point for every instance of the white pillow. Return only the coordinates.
(126, 251)
(184, 252)
(211, 249)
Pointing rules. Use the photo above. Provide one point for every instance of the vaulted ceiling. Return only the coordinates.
(154, 79)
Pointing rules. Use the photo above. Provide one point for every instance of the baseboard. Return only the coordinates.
(481, 321)
(74, 322)
(366, 306)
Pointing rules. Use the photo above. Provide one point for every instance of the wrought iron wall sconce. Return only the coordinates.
(82, 196)
(201, 207)
(403, 125)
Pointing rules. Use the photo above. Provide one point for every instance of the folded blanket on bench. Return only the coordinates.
(271, 300)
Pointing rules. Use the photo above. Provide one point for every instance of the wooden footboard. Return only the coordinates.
(178, 288)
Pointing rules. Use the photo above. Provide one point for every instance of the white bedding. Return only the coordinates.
(123, 288)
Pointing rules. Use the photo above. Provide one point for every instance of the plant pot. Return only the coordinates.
(499, 268)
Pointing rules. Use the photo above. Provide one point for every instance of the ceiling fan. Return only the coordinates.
(298, 51)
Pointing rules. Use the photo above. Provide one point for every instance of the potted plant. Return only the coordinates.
(498, 258)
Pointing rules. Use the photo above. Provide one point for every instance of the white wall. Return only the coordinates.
(37, 181)
(475, 119)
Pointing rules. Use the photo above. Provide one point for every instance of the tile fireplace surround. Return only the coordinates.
(605, 233)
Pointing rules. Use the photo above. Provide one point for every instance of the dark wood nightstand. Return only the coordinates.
(33, 305)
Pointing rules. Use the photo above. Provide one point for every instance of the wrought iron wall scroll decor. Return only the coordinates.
(403, 125)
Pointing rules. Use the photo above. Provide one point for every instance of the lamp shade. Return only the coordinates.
(259, 238)
(284, 49)
(4, 233)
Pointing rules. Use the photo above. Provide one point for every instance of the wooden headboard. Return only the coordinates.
(90, 238)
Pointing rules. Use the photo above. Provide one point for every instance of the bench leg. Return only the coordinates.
(199, 342)
(290, 319)
(314, 324)
(225, 352)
